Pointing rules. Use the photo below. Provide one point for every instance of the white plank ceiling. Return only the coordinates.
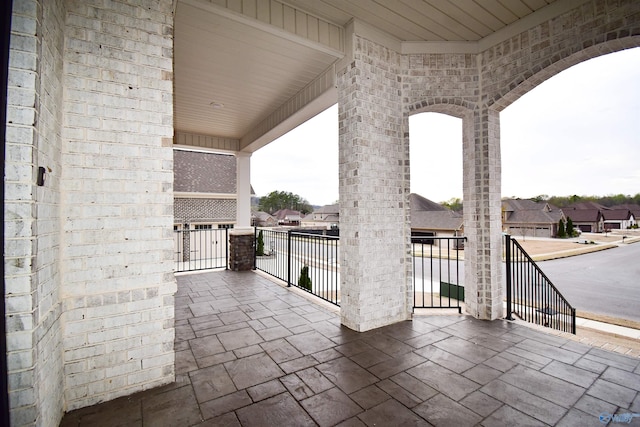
(230, 74)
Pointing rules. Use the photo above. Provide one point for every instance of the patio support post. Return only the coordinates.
(373, 155)
(482, 215)
(243, 207)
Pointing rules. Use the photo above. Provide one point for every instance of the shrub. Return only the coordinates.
(260, 246)
(570, 230)
(305, 281)
(561, 233)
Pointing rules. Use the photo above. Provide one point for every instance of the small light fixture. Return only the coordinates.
(41, 173)
(217, 105)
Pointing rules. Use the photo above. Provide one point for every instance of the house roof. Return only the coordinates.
(512, 205)
(419, 203)
(428, 215)
(328, 209)
(582, 215)
(262, 216)
(587, 205)
(534, 216)
(289, 214)
(635, 209)
(526, 211)
(616, 214)
(436, 220)
(199, 172)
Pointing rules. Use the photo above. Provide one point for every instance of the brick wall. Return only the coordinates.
(214, 210)
(32, 214)
(118, 201)
(474, 87)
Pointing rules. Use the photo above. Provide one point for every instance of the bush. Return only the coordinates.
(570, 230)
(561, 233)
(260, 246)
(305, 281)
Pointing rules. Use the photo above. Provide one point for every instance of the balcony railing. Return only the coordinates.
(531, 295)
(438, 272)
(307, 261)
(201, 249)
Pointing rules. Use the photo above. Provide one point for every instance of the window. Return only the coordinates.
(225, 225)
(202, 227)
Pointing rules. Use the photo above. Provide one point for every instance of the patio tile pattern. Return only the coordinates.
(252, 353)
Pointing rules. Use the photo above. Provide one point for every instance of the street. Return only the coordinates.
(605, 282)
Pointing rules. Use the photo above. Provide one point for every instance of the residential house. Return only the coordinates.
(263, 219)
(618, 219)
(635, 213)
(204, 185)
(288, 217)
(524, 217)
(326, 217)
(596, 218)
(431, 219)
(588, 220)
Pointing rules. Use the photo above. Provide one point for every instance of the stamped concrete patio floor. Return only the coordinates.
(252, 353)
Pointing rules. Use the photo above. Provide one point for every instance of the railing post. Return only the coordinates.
(255, 247)
(288, 258)
(507, 254)
(226, 248)
(573, 321)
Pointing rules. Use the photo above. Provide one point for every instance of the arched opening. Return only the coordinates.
(435, 209)
(436, 156)
(577, 132)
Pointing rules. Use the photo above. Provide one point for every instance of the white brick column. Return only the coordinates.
(117, 214)
(482, 215)
(32, 214)
(243, 192)
(374, 229)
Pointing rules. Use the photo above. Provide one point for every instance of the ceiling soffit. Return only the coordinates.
(244, 67)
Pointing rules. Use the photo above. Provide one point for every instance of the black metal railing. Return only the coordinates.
(307, 261)
(201, 249)
(531, 295)
(437, 272)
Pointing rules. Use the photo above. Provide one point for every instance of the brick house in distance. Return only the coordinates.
(262, 219)
(524, 217)
(326, 217)
(204, 190)
(432, 219)
(618, 219)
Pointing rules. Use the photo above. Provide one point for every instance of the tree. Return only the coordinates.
(454, 203)
(260, 246)
(561, 232)
(277, 200)
(570, 229)
(305, 281)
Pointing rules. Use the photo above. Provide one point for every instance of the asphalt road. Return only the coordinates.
(605, 282)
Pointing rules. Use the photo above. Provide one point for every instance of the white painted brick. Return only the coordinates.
(145, 376)
(161, 360)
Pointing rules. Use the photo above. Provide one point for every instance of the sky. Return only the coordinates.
(576, 133)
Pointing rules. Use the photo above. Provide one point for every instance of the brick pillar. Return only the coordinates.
(374, 187)
(482, 215)
(241, 249)
(117, 199)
